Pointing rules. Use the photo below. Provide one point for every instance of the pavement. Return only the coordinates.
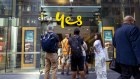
(91, 75)
(39, 75)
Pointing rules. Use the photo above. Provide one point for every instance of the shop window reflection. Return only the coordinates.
(2, 47)
(27, 8)
(108, 43)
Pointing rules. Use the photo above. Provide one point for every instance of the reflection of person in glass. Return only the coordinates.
(100, 61)
(1, 49)
(28, 58)
(29, 47)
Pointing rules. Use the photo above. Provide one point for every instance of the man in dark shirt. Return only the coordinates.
(127, 43)
(77, 59)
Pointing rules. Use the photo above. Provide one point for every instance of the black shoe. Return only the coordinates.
(62, 73)
(67, 73)
(87, 72)
(77, 78)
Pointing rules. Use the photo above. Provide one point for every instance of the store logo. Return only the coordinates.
(68, 19)
(62, 19)
(43, 17)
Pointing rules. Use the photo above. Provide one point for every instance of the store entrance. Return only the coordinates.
(89, 15)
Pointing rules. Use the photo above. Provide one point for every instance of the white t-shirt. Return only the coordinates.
(97, 44)
(84, 48)
(59, 51)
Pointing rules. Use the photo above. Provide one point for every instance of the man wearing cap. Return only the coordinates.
(127, 43)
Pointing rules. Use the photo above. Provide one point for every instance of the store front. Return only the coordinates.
(22, 22)
(84, 15)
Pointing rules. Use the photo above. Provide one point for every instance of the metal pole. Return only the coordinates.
(9, 18)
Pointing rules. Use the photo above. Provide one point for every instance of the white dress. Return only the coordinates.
(100, 61)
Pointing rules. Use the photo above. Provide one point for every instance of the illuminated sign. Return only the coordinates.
(62, 19)
(44, 18)
(67, 20)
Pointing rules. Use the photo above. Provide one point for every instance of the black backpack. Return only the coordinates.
(76, 44)
(49, 43)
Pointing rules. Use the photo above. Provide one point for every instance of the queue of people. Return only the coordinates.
(75, 56)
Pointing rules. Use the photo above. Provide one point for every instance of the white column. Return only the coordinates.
(14, 35)
(14, 31)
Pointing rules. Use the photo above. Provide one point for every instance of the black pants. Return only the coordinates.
(128, 71)
(77, 62)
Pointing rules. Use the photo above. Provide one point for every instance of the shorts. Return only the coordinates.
(66, 59)
(77, 62)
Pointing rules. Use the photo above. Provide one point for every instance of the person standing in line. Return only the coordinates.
(84, 49)
(51, 56)
(90, 58)
(66, 54)
(100, 61)
(77, 59)
(127, 43)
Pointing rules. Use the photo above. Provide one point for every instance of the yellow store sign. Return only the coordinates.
(67, 20)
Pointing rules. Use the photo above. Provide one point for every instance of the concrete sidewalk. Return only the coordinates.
(91, 75)
(38, 75)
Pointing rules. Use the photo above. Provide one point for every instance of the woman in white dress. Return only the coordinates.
(100, 61)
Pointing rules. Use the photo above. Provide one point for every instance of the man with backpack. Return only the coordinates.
(77, 59)
(50, 46)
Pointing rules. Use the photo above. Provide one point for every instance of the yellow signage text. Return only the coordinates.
(67, 20)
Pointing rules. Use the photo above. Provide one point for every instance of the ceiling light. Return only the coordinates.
(71, 0)
(1, 38)
(61, 1)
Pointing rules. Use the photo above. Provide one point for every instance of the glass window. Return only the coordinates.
(105, 11)
(4, 45)
(129, 1)
(129, 10)
(116, 1)
(26, 21)
(34, 7)
(116, 11)
(5, 7)
(26, 7)
(104, 1)
(34, 21)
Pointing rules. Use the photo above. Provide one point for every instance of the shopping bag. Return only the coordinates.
(106, 54)
(115, 66)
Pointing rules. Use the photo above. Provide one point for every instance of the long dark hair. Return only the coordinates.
(99, 37)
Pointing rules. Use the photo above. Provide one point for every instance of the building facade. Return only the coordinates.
(20, 27)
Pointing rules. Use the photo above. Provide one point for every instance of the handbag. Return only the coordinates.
(106, 54)
(115, 66)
